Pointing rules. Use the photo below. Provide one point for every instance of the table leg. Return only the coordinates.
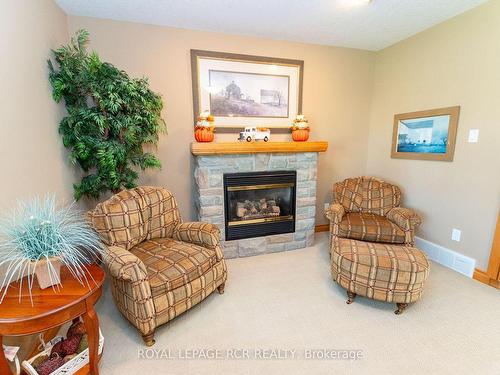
(92, 326)
(4, 366)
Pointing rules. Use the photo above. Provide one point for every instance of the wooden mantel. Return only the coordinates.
(225, 148)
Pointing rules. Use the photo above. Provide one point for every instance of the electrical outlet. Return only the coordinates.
(455, 234)
(327, 206)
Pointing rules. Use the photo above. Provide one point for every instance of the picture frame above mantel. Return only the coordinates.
(246, 90)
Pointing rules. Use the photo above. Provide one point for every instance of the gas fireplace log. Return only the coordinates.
(257, 209)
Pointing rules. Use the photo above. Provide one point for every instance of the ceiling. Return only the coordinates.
(348, 23)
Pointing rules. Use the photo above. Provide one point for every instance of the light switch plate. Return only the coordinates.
(327, 206)
(455, 234)
(473, 136)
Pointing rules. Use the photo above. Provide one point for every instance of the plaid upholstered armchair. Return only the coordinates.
(367, 209)
(159, 266)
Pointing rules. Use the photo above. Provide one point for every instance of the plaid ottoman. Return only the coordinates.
(385, 272)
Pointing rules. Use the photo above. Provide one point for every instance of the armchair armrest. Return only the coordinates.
(198, 233)
(131, 289)
(124, 265)
(202, 234)
(335, 213)
(405, 218)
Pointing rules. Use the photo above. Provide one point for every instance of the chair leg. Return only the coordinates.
(401, 308)
(149, 339)
(221, 287)
(350, 297)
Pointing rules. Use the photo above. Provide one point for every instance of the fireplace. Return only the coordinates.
(259, 203)
(214, 172)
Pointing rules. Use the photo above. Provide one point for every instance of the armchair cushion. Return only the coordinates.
(198, 233)
(404, 217)
(119, 220)
(369, 227)
(367, 195)
(175, 302)
(135, 215)
(160, 212)
(171, 264)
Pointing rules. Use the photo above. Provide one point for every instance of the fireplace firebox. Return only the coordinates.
(259, 203)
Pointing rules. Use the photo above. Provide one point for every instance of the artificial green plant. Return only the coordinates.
(111, 117)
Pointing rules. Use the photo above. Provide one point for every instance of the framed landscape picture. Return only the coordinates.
(425, 135)
(245, 90)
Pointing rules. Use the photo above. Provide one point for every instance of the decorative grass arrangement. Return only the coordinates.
(39, 233)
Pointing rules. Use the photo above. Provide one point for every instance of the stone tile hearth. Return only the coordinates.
(209, 171)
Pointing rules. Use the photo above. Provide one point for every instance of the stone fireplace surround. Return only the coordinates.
(209, 193)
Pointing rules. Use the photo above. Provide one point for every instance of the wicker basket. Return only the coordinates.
(69, 367)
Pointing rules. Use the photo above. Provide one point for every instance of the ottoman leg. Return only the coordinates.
(350, 297)
(401, 308)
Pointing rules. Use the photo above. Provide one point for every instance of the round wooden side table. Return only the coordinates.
(52, 308)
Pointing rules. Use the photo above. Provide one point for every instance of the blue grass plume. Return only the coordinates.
(39, 229)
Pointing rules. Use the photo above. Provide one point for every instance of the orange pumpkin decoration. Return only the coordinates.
(204, 135)
(300, 135)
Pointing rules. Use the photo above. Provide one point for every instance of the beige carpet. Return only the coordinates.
(288, 301)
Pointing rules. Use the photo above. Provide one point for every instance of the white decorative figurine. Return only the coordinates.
(252, 133)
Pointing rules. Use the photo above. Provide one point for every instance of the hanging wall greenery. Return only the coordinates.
(110, 118)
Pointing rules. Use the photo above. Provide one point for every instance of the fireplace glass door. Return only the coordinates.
(259, 203)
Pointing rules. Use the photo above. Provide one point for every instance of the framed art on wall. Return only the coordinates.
(244, 90)
(425, 135)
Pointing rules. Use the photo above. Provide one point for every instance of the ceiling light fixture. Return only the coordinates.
(346, 4)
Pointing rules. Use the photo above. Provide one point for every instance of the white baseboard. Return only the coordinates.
(446, 257)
